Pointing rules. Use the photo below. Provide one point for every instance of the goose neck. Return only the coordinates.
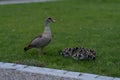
(46, 24)
(47, 28)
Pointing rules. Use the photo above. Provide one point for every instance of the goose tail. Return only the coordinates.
(27, 48)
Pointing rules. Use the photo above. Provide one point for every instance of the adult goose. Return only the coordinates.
(42, 40)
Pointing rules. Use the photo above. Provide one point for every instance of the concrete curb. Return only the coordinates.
(21, 1)
(12, 71)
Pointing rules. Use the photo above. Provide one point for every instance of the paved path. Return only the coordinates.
(12, 71)
(21, 1)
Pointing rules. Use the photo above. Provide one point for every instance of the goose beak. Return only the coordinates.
(53, 20)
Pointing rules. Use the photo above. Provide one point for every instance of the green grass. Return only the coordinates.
(93, 24)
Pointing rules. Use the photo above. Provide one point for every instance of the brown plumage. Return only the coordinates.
(42, 40)
(79, 53)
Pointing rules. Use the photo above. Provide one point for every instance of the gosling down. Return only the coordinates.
(42, 40)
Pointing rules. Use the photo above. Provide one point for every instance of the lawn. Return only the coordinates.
(93, 24)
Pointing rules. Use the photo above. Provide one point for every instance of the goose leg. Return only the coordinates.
(40, 51)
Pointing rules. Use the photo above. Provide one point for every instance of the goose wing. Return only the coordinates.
(39, 41)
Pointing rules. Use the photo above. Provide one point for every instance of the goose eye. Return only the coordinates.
(49, 18)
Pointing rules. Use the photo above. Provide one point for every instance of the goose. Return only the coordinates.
(79, 53)
(42, 40)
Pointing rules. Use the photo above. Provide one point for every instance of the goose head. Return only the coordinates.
(66, 52)
(50, 20)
